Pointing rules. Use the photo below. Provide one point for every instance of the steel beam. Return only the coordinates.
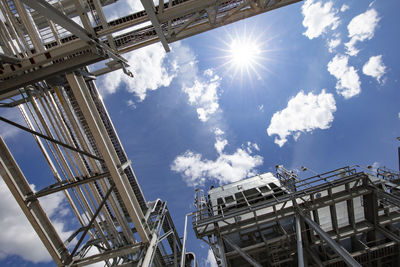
(342, 252)
(9, 59)
(20, 188)
(64, 186)
(104, 145)
(46, 9)
(108, 254)
(89, 225)
(300, 255)
(395, 200)
(50, 139)
(241, 252)
(149, 7)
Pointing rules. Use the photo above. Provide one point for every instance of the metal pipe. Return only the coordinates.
(184, 241)
(300, 257)
(343, 253)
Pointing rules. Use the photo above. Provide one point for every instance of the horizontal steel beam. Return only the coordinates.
(9, 59)
(57, 187)
(108, 254)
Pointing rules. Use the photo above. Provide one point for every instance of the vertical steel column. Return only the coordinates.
(343, 253)
(184, 243)
(222, 251)
(300, 256)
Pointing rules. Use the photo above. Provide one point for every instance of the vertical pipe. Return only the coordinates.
(222, 252)
(184, 243)
(300, 257)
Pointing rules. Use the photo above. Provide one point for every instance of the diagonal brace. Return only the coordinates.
(50, 139)
(103, 202)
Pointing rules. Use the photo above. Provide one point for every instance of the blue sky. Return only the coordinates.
(324, 93)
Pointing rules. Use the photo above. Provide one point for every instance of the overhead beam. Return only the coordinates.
(149, 7)
(47, 10)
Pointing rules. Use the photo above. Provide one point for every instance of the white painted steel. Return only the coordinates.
(93, 119)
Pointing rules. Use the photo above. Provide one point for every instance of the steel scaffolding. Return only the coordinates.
(46, 47)
(345, 217)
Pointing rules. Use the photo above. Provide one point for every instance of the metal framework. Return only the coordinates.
(57, 45)
(344, 217)
(44, 55)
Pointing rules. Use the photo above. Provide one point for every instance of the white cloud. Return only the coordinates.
(150, 68)
(375, 67)
(131, 104)
(318, 18)
(17, 236)
(399, 115)
(304, 113)
(361, 28)
(204, 94)
(344, 8)
(218, 132)
(220, 144)
(225, 169)
(333, 43)
(348, 84)
(210, 261)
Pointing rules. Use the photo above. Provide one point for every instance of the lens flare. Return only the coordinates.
(244, 53)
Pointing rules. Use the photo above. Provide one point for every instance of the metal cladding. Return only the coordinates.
(343, 217)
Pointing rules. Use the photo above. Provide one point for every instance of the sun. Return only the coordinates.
(244, 56)
(244, 53)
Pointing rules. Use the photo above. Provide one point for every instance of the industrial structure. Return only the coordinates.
(46, 48)
(345, 217)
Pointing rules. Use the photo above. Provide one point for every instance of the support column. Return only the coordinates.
(100, 135)
(20, 188)
(300, 255)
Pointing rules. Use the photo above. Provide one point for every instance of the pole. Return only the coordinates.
(184, 243)
(300, 257)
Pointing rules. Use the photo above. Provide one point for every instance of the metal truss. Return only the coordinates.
(77, 139)
(339, 218)
(61, 45)
(43, 74)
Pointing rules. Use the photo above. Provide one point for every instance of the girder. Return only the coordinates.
(338, 218)
(175, 21)
(43, 57)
